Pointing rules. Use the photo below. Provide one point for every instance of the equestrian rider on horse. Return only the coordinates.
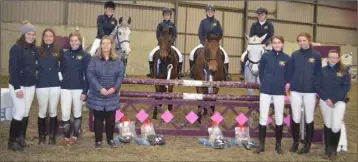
(210, 25)
(260, 28)
(166, 23)
(105, 25)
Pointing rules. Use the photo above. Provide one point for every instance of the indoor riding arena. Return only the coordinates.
(332, 24)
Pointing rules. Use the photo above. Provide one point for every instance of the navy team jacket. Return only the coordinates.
(22, 65)
(105, 25)
(260, 30)
(307, 67)
(333, 85)
(167, 24)
(274, 71)
(48, 69)
(73, 65)
(209, 25)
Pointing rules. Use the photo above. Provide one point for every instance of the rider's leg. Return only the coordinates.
(226, 65)
(150, 59)
(95, 46)
(191, 58)
(180, 68)
(243, 67)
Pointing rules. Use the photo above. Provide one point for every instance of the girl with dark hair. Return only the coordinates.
(22, 70)
(48, 85)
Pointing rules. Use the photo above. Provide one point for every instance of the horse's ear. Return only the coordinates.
(263, 37)
(247, 37)
(120, 20)
(129, 20)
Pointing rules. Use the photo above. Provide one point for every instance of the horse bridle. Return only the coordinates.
(250, 61)
(120, 42)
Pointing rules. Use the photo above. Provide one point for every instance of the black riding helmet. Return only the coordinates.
(167, 10)
(110, 4)
(261, 11)
(210, 7)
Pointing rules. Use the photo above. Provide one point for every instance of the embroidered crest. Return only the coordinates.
(311, 60)
(214, 24)
(266, 27)
(79, 57)
(54, 54)
(339, 74)
(113, 22)
(282, 63)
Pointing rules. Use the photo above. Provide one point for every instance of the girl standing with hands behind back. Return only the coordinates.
(275, 68)
(48, 86)
(334, 86)
(74, 87)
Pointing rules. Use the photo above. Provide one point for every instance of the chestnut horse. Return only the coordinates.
(162, 59)
(208, 63)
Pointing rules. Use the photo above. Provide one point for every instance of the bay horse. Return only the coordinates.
(162, 59)
(208, 62)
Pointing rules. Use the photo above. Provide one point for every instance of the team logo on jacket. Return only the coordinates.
(79, 57)
(113, 22)
(214, 24)
(311, 60)
(266, 27)
(339, 74)
(54, 54)
(282, 63)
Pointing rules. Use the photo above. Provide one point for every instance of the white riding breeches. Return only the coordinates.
(151, 54)
(191, 56)
(48, 98)
(22, 105)
(71, 97)
(95, 46)
(333, 117)
(309, 103)
(278, 102)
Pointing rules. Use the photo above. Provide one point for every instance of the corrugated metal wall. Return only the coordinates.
(289, 19)
(42, 12)
(336, 17)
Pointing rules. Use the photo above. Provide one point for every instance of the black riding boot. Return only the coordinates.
(295, 128)
(262, 136)
(180, 70)
(327, 138)
(150, 74)
(191, 63)
(242, 77)
(77, 126)
(226, 72)
(22, 136)
(13, 143)
(334, 145)
(308, 139)
(41, 126)
(278, 132)
(52, 130)
(67, 129)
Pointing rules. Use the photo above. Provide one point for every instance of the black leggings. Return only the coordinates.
(99, 117)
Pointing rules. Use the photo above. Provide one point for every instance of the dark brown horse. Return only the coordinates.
(208, 62)
(163, 58)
